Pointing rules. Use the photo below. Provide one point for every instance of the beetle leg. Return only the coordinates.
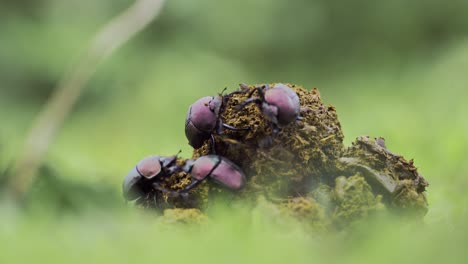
(213, 144)
(259, 89)
(168, 161)
(235, 128)
(258, 101)
(187, 167)
(172, 169)
(192, 185)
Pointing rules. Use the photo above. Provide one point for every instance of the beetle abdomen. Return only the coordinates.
(229, 174)
(220, 169)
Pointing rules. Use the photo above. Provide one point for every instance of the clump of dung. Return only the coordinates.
(300, 156)
(398, 181)
(306, 172)
(353, 199)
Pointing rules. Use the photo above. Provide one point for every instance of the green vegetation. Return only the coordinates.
(395, 70)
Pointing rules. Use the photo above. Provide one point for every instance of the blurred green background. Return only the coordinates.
(396, 69)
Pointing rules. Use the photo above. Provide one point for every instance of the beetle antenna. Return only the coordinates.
(225, 88)
(177, 154)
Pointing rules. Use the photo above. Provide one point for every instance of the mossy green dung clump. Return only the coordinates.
(307, 172)
(353, 199)
(301, 154)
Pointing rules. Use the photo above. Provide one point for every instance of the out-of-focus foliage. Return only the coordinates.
(395, 69)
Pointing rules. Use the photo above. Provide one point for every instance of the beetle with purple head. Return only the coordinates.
(203, 119)
(149, 170)
(214, 167)
(280, 104)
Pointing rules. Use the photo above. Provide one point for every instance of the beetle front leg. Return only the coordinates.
(235, 128)
(259, 89)
(258, 101)
(172, 169)
(220, 125)
(192, 185)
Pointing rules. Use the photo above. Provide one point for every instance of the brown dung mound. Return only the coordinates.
(306, 170)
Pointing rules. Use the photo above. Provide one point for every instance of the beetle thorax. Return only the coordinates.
(215, 104)
(270, 112)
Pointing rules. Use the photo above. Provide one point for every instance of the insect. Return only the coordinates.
(149, 170)
(214, 167)
(203, 120)
(146, 176)
(280, 104)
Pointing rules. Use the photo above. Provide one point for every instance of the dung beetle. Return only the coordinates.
(151, 169)
(280, 104)
(203, 119)
(214, 167)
